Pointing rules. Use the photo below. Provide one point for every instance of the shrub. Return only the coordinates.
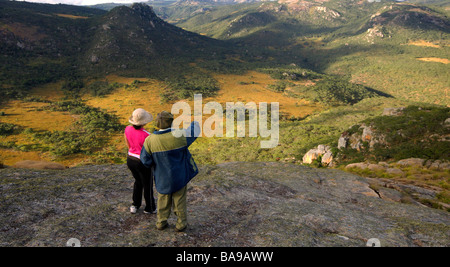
(88, 134)
(102, 88)
(279, 86)
(186, 87)
(72, 87)
(334, 90)
(6, 128)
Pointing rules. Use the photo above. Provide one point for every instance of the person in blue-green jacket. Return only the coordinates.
(166, 150)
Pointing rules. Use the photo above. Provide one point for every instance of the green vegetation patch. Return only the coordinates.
(336, 91)
(419, 132)
(7, 128)
(326, 89)
(184, 87)
(88, 134)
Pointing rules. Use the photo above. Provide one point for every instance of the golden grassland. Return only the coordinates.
(71, 16)
(30, 115)
(434, 59)
(423, 43)
(122, 102)
(250, 87)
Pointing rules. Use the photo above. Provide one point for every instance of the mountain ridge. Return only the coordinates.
(40, 48)
(137, 37)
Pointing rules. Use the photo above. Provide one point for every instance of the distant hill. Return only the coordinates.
(443, 3)
(136, 41)
(43, 43)
(355, 38)
(298, 18)
(40, 42)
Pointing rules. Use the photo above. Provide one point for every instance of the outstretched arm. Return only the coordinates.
(192, 132)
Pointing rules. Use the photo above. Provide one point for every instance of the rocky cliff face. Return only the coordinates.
(232, 204)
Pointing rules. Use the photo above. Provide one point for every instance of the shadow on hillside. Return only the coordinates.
(380, 93)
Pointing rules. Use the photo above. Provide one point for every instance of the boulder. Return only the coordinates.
(435, 165)
(384, 164)
(355, 142)
(393, 111)
(310, 156)
(413, 162)
(447, 122)
(360, 165)
(40, 165)
(323, 151)
(444, 166)
(94, 59)
(364, 134)
(327, 159)
(343, 142)
(375, 167)
(439, 165)
(367, 134)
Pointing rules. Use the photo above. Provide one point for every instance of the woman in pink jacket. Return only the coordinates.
(135, 135)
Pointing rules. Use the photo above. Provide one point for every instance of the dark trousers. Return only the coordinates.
(143, 182)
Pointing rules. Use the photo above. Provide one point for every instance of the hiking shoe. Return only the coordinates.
(133, 209)
(181, 230)
(150, 212)
(162, 227)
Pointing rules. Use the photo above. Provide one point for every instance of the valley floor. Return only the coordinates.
(28, 114)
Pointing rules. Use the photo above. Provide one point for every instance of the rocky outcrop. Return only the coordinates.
(416, 162)
(323, 152)
(393, 111)
(231, 204)
(363, 134)
(409, 177)
(437, 165)
(447, 122)
(358, 134)
(410, 162)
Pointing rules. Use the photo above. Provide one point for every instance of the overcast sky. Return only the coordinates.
(83, 2)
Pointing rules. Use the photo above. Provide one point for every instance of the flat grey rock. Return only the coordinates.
(231, 204)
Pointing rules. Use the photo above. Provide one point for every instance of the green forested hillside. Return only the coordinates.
(400, 49)
(39, 42)
(443, 3)
(47, 43)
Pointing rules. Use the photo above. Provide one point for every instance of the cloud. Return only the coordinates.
(68, 2)
(82, 2)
